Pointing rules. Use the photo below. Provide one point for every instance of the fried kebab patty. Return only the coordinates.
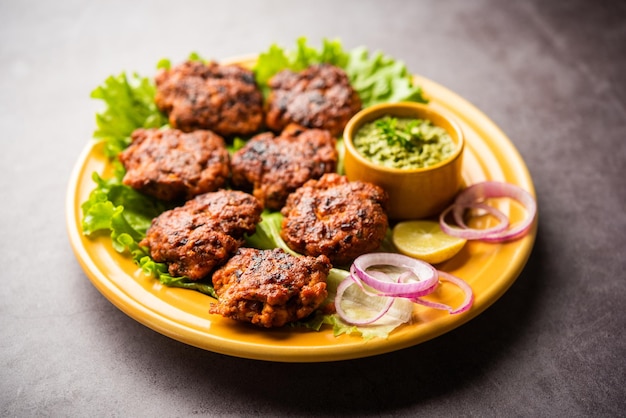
(270, 288)
(318, 97)
(222, 98)
(275, 166)
(335, 217)
(170, 164)
(204, 233)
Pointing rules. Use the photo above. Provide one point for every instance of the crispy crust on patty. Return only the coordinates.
(275, 166)
(270, 288)
(204, 233)
(319, 97)
(170, 164)
(222, 98)
(335, 217)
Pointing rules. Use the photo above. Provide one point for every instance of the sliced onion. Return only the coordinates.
(426, 274)
(473, 196)
(345, 284)
(383, 277)
(472, 233)
(402, 287)
(463, 307)
(458, 210)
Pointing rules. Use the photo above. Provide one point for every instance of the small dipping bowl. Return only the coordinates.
(414, 193)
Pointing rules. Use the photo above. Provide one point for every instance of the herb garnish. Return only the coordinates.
(408, 135)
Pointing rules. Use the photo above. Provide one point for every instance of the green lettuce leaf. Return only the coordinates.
(115, 207)
(159, 271)
(166, 63)
(377, 78)
(276, 58)
(267, 234)
(129, 105)
(126, 215)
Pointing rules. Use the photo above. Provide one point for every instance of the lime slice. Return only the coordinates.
(426, 241)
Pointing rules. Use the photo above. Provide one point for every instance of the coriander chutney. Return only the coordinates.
(404, 143)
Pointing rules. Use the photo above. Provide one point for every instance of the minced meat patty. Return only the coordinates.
(275, 166)
(318, 97)
(204, 233)
(222, 98)
(335, 217)
(270, 288)
(171, 165)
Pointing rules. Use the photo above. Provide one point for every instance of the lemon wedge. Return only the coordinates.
(426, 241)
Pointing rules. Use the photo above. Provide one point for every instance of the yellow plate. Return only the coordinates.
(183, 314)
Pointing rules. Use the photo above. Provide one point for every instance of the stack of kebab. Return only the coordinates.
(290, 168)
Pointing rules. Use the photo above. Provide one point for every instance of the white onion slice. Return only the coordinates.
(351, 319)
(473, 196)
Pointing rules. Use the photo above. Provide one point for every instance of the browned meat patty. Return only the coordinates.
(270, 288)
(222, 98)
(170, 164)
(319, 97)
(335, 217)
(204, 233)
(275, 166)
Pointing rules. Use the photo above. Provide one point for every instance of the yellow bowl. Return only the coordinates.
(413, 193)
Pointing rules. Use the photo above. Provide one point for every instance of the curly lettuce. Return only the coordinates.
(129, 105)
(113, 207)
(377, 78)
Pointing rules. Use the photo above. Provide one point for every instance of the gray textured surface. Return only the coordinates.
(551, 74)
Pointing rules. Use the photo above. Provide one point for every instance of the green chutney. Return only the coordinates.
(404, 143)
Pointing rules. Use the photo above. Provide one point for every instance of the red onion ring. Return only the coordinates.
(463, 307)
(473, 196)
(426, 274)
(472, 233)
(459, 210)
(403, 287)
(384, 277)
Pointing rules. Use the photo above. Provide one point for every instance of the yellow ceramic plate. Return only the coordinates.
(183, 314)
